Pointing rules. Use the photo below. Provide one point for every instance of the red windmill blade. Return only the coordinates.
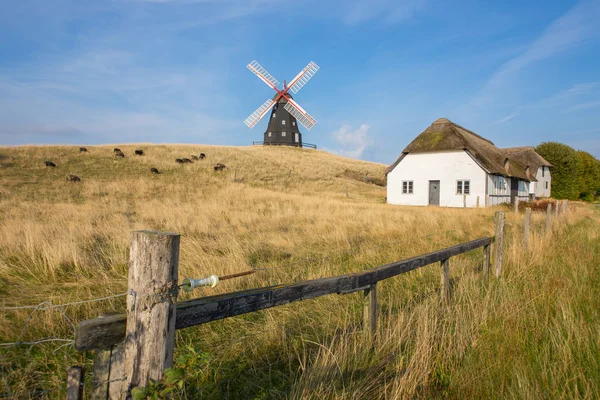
(283, 96)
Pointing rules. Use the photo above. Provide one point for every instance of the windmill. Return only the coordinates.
(285, 112)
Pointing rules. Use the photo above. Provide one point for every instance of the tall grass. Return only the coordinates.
(534, 333)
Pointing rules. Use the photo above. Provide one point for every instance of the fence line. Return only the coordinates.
(110, 337)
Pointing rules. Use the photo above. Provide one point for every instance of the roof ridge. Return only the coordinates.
(472, 133)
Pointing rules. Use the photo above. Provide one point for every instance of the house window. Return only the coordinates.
(274, 115)
(269, 134)
(282, 133)
(463, 187)
(546, 184)
(543, 171)
(293, 123)
(283, 122)
(407, 187)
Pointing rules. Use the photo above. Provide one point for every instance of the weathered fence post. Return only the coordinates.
(548, 221)
(486, 262)
(566, 204)
(445, 264)
(464, 200)
(499, 238)
(151, 305)
(516, 205)
(556, 208)
(370, 310)
(477, 202)
(289, 173)
(526, 225)
(75, 380)
(346, 190)
(234, 174)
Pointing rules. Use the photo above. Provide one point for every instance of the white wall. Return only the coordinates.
(447, 167)
(540, 186)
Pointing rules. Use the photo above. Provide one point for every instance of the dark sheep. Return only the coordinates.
(120, 154)
(82, 150)
(73, 178)
(219, 167)
(202, 156)
(179, 161)
(195, 158)
(154, 171)
(186, 160)
(139, 152)
(115, 150)
(49, 164)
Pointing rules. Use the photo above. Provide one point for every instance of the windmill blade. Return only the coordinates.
(304, 76)
(259, 113)
(262, 73)
(298, 112)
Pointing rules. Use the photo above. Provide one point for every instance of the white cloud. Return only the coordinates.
(505, 119)
(353, 142)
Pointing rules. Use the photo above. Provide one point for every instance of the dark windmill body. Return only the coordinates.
(283, 129)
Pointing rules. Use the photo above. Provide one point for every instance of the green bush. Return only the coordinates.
(567, 169)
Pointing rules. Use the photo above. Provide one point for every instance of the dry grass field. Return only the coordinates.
(533, 334)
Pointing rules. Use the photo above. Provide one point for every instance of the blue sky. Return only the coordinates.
(115, 71)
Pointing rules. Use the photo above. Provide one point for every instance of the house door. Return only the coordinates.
(434, 193)
(296, 138)
(514, 189)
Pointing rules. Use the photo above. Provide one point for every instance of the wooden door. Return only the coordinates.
(434, 193)
(514, 189)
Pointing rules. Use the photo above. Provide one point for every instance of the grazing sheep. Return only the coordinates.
(202, 156)
(195, 158)
(186, 160)
(120, 154)
(115, 150)
(139, 152)
(179, 161)
(219, 167)
(82, 150)
(73, 178)
(154, 171)
(49, 164)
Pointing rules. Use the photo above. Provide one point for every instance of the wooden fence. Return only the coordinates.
(137, 346)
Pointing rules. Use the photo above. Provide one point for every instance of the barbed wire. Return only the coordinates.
(47, 305)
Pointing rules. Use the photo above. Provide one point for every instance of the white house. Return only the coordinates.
(528, 156)
(450, 166)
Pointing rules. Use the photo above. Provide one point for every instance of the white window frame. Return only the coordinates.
(283, 122)
(269, 134)
(461, 190)
(408, 187)
(282, 134)
(293, 123)
(274, 116)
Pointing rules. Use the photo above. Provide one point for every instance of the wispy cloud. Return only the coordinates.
(353, 142)
(391, 11)
(584, 106)
(505, 119)
(573, 28)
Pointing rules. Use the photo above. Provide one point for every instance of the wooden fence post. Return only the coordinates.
(75, 383)
(516, 205)
(445, 264)
(370, 310)
(499, 233)
(548, 221)
(486, 262)
(464, 200)
(151, 305)
(234, 174)
(556, 208)
(526, 225)
(477, 202)
(346, 190)
(566, 204)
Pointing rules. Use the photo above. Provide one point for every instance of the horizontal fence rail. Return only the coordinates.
(101, 333)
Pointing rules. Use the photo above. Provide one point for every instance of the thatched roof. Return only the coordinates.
(445, 135)
(527, 155)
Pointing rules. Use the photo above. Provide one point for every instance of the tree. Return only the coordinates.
(567, 169)
(590, 176)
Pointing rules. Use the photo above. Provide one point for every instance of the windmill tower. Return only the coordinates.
(283, 127)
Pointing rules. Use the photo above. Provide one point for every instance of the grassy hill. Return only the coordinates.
(532, 334)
